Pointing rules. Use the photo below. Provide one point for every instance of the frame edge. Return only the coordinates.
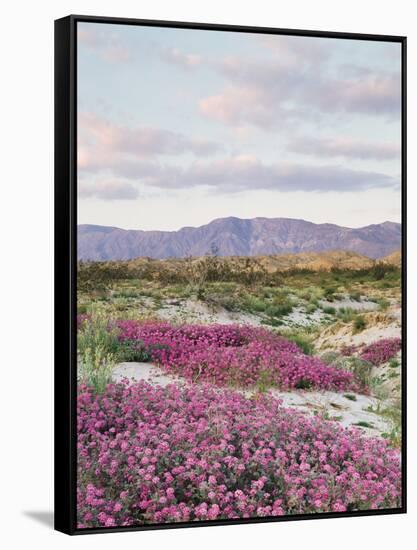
(64, 447)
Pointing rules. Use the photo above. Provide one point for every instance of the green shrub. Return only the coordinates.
(302, 341)
(329, 357)
(136, 351)
(254, 304)
(359, 324)
(228, 302)
(95, 368)
(380, 270)
(394, 363)
(364, 424)
(329, 291)
(272, 322)
(383, 303)
(358, 367)
(350, 396)
(279, 308)
(346, 314)
(97, 346)
(303, 385)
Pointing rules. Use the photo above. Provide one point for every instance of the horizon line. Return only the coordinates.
(232, 217)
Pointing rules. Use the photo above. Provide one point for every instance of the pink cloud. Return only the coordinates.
(237, 106)
(103, 144)
(108, 46)
(344, 147)
(297, 82)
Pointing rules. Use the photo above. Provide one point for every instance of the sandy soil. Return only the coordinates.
(363, 305)
(193, 311)
(380, 325)
(299, 318)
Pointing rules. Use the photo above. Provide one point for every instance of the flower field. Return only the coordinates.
(151, 454)
(381, 351)
(209, 438)
(234, 355)
(376, 353)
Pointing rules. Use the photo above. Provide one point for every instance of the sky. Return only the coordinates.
(177, 127)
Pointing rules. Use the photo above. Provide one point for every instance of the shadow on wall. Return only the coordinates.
(45, 518)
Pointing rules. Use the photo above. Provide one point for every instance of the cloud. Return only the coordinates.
(299, 82)
(237, 106)
(274, 99)
(181, 59)
(104, 144)
(108, 45)
(344, 147)
(247, 173)
(107, 190)
(372, 94)
(296, 50)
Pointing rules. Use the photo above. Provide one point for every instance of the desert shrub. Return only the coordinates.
(329, 357)
(360, 368)
(303, 341)
(329, 310)
(95, 368)
(150, 454)
(359, 324)
(380, 270)
(329, 292)
(94, 331)
(278, 310)
(100, 275)
(346, 314)
(254, 304)
(383, 303)
(364, 424)
(303, 384)
(228, 302)
(125, 294)
(350, 396)
(135, 350)
(394, 363)
(393, 414)
(272, 322)
(97, 344)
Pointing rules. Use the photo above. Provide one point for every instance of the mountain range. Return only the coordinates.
(237, 237)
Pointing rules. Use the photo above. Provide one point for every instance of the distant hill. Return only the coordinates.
(313, 261)
(237, 237)
(394, 258)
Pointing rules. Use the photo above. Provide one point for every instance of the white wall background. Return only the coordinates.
(26, 216)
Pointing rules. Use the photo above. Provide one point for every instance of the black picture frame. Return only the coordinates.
(66, 267)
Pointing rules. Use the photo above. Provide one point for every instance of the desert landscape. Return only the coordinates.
(238, 386)
(239, 272)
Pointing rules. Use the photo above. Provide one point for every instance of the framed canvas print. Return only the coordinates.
(230, 274)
